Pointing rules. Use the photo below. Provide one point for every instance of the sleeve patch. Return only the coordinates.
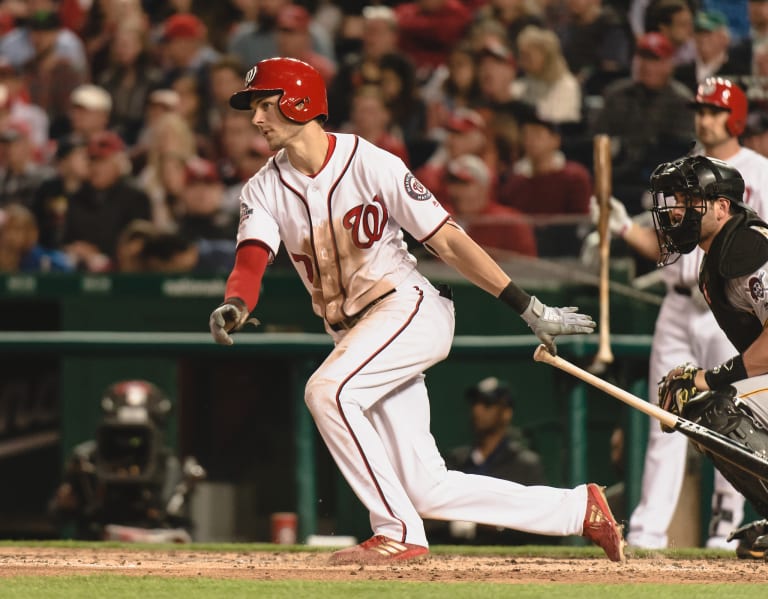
(245, 213)
(415, 188)
(757, 287)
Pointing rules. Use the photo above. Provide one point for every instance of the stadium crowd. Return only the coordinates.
(119, 151)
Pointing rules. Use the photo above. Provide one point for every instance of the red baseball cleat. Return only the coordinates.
(378, 550)
(600, 526)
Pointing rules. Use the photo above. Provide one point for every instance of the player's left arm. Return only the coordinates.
(457, 249)
(748, 293)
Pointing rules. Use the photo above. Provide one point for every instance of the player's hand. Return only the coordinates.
(228, 317)
(547, 323)
(619, 220)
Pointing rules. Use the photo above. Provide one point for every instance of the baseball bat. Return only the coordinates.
(602, 174)
(739, 455)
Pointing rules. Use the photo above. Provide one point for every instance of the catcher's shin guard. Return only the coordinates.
(723, 412)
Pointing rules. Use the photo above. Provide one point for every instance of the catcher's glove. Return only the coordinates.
(676, 389)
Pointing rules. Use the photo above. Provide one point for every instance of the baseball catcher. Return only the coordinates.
(699, 201)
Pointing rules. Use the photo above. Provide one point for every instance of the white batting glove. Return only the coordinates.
(228, 317)
(619, 221)
(546, 323)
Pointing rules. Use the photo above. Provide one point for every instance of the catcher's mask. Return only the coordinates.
(130, 436)
(680, 191)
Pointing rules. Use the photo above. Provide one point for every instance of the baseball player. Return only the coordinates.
(337, 204)
(685, 328)
(698, 201)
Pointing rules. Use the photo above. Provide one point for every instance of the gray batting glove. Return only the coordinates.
(619, 220)
(229, 317)
(547, 323)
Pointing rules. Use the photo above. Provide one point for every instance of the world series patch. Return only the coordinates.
(756, 287)
(245, 212)
(415, 189)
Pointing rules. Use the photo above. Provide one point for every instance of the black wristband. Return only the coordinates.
(515, 297)
(728, 372)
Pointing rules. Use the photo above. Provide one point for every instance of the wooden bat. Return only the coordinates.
(739, 455)
(602, 176)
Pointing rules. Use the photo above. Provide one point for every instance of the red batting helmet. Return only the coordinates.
(721, 93)
(302, 88)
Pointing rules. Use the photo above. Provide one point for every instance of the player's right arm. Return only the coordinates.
(640, 238)
(457, 249)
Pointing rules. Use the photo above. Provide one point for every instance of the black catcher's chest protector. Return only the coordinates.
(723, 412)
(737, 250)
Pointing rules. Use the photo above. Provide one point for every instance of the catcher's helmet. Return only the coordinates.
(688, 182)
(135, 401)
(723, 94)
(302, 89)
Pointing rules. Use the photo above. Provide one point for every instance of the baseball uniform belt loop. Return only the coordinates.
(350, 321)
(445, 291)
(682, 290)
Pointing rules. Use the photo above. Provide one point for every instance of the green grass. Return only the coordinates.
(125, 587)
(117, 586)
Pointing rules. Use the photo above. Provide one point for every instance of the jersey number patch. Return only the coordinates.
(366, 223)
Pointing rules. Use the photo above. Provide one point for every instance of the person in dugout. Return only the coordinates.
(127, 484)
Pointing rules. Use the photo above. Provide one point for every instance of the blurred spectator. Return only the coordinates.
(202, 213)
(546, 82)
(170, 144)
(226, 77)
(234, 141)
(90, 110)
(14, 104)
(428, 31)
(743, 52)
(185, 49)
(496, 71)
(255, 37)
(674, 20)
(193, 108)
(465, 134)
(246, 164)
(129, 250)
(129, 77)
(755, 136)
(170, 252)
(17, 47)
(53, 195)
(498, 449)
(596, 42)
(20, 173)
(498, 229)
(409, 112)
(19, 248)
(379, 37)
(50, 77)
(712, 38)
(295, 41)
(453, 86)
(104, 206)
(102, 22)
(514, 15)
(647, 117)
(371, 119)
(159, 103)
(544, 183)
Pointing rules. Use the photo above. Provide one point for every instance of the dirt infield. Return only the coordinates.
(25, 561)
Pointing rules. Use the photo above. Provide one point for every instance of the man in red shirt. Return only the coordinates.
(500, 230)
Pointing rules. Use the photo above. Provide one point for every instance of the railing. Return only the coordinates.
(303, 351)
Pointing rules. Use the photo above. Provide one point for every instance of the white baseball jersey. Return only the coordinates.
(342, 227)
(368, 398)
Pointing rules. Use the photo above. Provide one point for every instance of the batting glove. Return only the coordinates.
(229, 317)
(546, 323)
(619, 220)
